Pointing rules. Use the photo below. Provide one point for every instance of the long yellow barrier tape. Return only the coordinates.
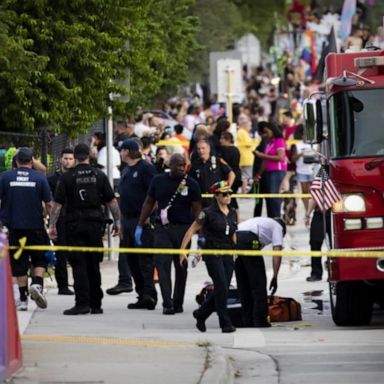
(264, 195)
(174, 142)
(220, 252)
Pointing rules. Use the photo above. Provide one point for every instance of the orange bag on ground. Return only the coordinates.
(283, 309)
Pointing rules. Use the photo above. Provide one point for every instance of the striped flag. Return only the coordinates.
(349, 9)
(323, 191)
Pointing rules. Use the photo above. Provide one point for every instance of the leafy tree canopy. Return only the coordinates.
(58, 58)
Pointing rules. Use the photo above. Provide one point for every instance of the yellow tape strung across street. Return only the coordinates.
(264, 195)
(105, 341)
(170, 143)
(219, 252)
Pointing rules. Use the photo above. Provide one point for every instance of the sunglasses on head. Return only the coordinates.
(224, 193)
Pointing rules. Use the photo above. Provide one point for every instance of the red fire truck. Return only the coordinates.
(348, 121)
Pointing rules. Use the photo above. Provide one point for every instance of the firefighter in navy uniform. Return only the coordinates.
(208, 169)
(22, 192)
(84, 190)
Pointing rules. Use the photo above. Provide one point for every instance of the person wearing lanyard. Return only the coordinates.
(218, 223)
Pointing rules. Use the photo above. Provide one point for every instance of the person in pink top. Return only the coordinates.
(274, 165)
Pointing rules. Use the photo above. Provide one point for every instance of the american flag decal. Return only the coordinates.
(323, 191)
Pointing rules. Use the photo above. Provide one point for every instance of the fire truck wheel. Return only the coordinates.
(351, 303)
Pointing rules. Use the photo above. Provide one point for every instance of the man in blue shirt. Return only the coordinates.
(22, 192)
(178, 199)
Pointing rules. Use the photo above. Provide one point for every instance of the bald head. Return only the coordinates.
(177, 165)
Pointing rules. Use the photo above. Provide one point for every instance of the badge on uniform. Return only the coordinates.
(201, 215)
(184, 192)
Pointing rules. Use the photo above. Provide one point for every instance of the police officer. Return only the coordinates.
(22, 192)
(133, 187)
(83, 190)
(317, 236)
(256, 233)
(207, 169)
(67, 162)
(178, 197)
(218, 223)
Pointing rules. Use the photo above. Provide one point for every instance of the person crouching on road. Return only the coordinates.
(256, 233)
(218, 223)
(84, 190)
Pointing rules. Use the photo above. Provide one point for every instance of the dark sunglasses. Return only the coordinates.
(224, 193)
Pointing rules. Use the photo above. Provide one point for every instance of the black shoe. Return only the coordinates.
(97, 311)
(228, 329)
(179, 310)
(76, 311)
(168, 311)
(150, 302)
(313, 278)
(200, 323)
(140, 304)
(117, 289)
(65, 291)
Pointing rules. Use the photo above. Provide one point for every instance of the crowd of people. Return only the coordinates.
(156, 201)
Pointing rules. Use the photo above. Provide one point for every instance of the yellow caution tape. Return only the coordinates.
(180, 142)
(19, 251)
(264, 195)
(105, 341)
(217, 252)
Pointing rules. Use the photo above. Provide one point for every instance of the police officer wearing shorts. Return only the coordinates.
(84, 190)
(22, 192)
(178, 199)
(256, 233)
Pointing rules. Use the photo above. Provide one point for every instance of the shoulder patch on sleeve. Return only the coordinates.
(201, 215)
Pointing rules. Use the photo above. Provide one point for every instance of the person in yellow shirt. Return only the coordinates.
(245, 143)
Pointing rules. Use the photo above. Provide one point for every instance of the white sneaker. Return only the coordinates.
(36, 292)
(22, 305)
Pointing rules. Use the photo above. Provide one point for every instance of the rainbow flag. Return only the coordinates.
(308, 53)
(349, 9)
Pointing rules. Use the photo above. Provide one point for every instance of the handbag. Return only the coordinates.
(283, 309)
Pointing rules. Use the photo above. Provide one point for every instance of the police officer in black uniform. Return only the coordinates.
(207, 169)
(67, 162)
(84, 190)
(178, 197)
(133, 187)
(218, 223)
(317, 236)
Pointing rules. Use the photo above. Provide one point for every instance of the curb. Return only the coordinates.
(220, 370)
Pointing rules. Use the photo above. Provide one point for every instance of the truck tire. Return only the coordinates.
(351, 303)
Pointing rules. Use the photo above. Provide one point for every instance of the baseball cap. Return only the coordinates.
(130, 144)
(81, 150)
(24, 155)
(220, 187)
